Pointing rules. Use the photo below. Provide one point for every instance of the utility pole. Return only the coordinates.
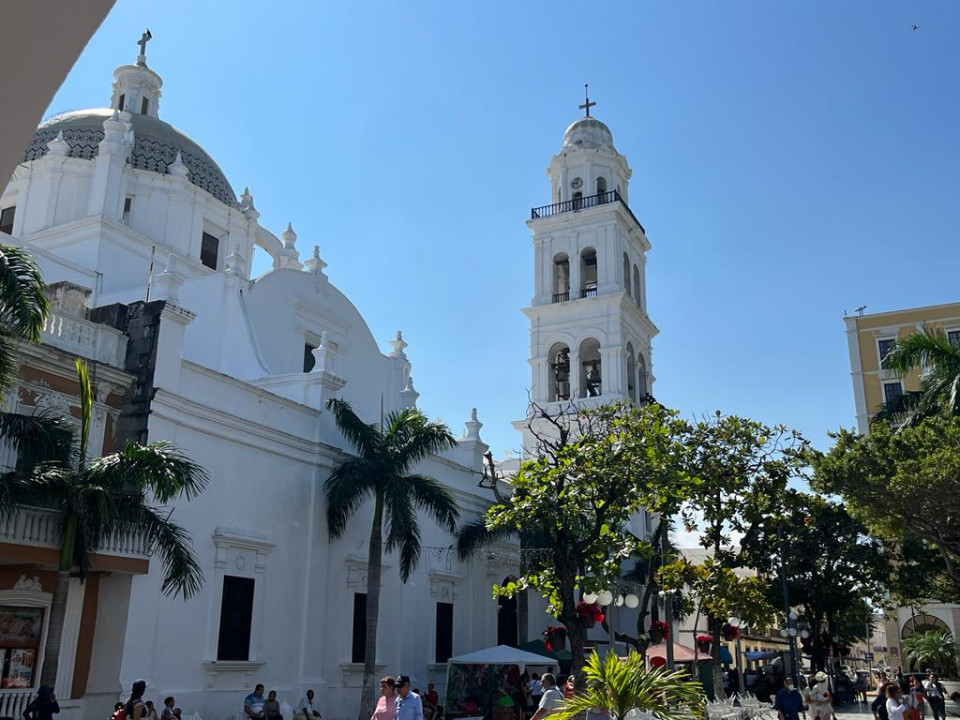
(668, 600)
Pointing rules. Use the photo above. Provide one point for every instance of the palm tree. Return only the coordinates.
(23, 308)
(932, 649)
(620, 686)
(929, 350)
(381, 470)
(110, 496)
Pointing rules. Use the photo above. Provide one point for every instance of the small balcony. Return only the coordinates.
(90, 340)
(582, 203)
(41, 528)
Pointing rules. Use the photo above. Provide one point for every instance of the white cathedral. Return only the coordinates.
(147, 251)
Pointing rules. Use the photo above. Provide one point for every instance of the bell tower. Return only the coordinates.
(590, 335)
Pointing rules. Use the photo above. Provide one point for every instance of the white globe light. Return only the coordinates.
(793, 632)
(619, 601)
(793, 615)
(804, 634)
(631, 601)
(605, 597)
(734, 622)
(783, 632)
(590, 598)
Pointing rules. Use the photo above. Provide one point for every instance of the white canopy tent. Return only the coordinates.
(503, 655)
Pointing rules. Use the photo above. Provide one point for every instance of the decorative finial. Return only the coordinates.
(316, 252)
(177, 168)
(144, 39)
(59, 146)
(472, 427)
(289, 236)
(587, 104)
(398, 346)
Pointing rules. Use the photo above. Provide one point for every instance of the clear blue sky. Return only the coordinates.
(791, 160)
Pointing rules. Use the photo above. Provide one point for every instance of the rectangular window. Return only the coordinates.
(144, 106)
(209, 250)
(127, 207)
(19, 645)
(953, 337)
(444, 644)
(885, 347)
(892, 391)
(123, 100)
(236, 618)
(308, 359)
(6, 219)
(359, 652)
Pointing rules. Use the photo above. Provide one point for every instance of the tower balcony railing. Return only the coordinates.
(582, 203)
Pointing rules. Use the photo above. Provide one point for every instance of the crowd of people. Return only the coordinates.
(906, 698)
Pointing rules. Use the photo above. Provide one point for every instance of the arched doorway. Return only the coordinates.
(507, 618)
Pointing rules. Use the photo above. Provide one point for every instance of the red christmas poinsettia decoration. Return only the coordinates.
(553, 631)
(661, 626)
(590, 611)
(704, 639)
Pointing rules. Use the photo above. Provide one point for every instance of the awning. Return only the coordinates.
(752, 655)
(540, 648)
(681, 653)
(501, 655)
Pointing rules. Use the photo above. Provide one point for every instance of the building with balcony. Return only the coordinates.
(869, 338)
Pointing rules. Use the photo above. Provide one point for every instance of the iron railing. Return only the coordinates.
(582, 203)
(561, 297)
(589, 292)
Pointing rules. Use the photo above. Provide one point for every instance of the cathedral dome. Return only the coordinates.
(155, 146)
(588, 133)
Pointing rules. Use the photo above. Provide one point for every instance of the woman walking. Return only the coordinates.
(134, 706)
(387, 703)
(44, 706)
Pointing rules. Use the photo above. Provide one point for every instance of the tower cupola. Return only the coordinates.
(136, 88)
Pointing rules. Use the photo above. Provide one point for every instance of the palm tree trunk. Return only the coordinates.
(374, 567)
(58, 607)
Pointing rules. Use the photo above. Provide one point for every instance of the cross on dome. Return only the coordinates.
(144, 39)
(587, 104)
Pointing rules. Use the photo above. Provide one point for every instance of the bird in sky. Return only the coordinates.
(914, 27)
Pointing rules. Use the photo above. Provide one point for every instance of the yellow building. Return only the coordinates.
(871, 337)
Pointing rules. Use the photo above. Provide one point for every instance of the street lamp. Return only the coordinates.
(790, 632)
(735, 623)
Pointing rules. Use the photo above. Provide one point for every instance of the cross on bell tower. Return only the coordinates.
(587, 104)
(144, 39)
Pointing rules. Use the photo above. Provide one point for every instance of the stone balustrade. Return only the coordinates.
(90, 340)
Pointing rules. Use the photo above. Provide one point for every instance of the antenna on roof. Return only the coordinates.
(860, 309)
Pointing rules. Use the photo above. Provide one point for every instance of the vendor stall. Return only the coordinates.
(486, 679)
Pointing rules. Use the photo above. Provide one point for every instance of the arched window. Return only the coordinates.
(591, 375)
(631, 373)
(561, 278)
(507, 618)
(577, 200)
(588, 273)
(636, 286)
(559, 360)
(642, 388)
(626, 273)
(601, 189)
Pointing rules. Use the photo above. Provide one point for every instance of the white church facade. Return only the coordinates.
(148, 251)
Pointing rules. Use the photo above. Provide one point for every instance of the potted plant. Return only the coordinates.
(554, 637)
(704, 642)
(659, 631)
(589, 613)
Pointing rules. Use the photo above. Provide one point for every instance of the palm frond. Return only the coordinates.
(86, 407)
(364, 438)
(23, 295)
(37, 438)
(158, 466)
(413, 438)
(350, 484)
(173, 545)
(475, 535)
(403, 529)
(9, 357)
(438, 501)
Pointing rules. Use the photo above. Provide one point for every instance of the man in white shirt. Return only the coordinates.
(305, 707)
(936, 696)
(552, 698)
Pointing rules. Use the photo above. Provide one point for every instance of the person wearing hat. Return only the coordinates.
(818, 698)
(408, 703)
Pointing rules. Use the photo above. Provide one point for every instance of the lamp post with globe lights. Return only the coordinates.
(735, 623)
(790, 632)
(607, 599)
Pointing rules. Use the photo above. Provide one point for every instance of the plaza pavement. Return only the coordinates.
(862, 712)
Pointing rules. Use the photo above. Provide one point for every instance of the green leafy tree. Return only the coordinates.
(741, 468)
(834, 570)
(620, 686)
(382, 471)
(98, 500)
(572, 502)
(901, 485)
(930, 351)
(932, 649)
